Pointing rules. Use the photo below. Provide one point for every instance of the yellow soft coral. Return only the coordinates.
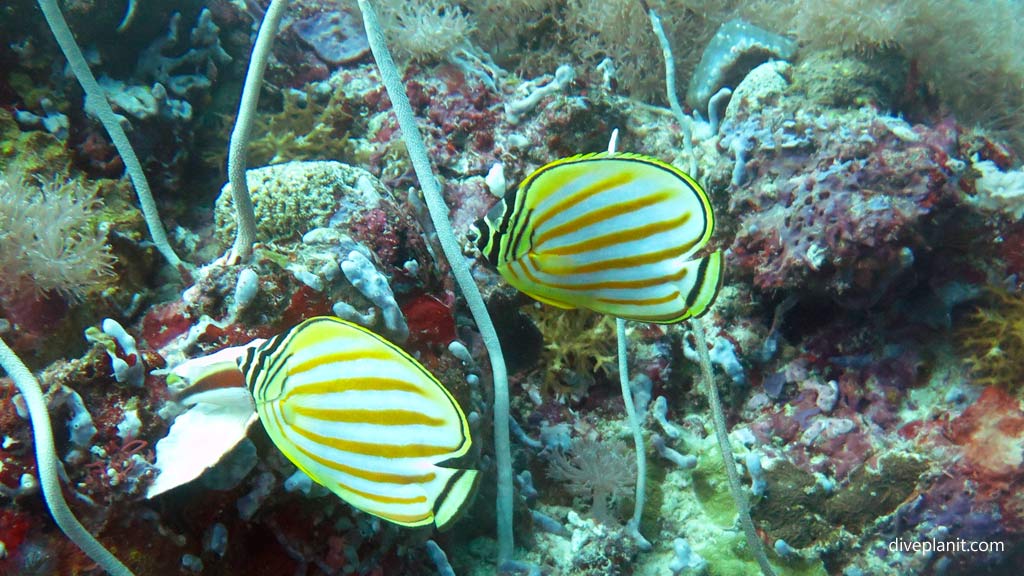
(993, 338)
(578, 341)
(306, 128)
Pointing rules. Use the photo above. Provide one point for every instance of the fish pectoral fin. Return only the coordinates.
(550, 302)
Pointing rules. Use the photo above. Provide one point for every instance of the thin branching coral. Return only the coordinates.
(993, 338)
(619, 29)
(534, 37)
(306, 128)
(49, 235)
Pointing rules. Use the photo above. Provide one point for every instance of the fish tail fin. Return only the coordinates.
(705, 287)
(455, 497)
(700, 285)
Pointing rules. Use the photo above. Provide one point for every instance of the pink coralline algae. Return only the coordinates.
(991, 432)
(467, 121)
(165, 322)
(431, 322)
(336, 36)
(377, 228)
(840, 205)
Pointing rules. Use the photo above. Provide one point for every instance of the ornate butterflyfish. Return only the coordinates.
(364, 419)
(613, 232)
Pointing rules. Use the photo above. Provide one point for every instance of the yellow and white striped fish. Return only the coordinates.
(615, 233)
(364, 419)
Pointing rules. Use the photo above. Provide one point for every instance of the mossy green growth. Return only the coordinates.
(711, 485)
(792, 510)
(306, 128)
(727, 554)
(32, 92)
(651, 520)
(800, 512)
(871, 493)
(843, 80)
(35, 152)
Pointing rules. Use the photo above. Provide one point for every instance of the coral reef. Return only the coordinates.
(959, 47)
(335, 35)
(579, 342)
(596, 471)
(868, 337)
(426, 30)
(308, 127)
(998, 191)
(292, 199)
(736, 48)
(853, 226)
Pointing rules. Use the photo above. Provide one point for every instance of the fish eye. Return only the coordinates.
(496, 212)
(473, 234)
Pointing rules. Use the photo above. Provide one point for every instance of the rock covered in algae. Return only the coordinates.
(293, 198)
(736, 49)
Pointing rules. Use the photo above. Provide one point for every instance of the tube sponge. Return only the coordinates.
(737, 48)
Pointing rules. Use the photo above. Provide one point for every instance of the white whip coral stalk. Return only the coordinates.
(439, 214)
(240, 136)
(47, 462)
(96, 103)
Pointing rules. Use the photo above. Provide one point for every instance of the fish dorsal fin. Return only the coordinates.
(526, 198)
(525, 184)
(590, 156)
